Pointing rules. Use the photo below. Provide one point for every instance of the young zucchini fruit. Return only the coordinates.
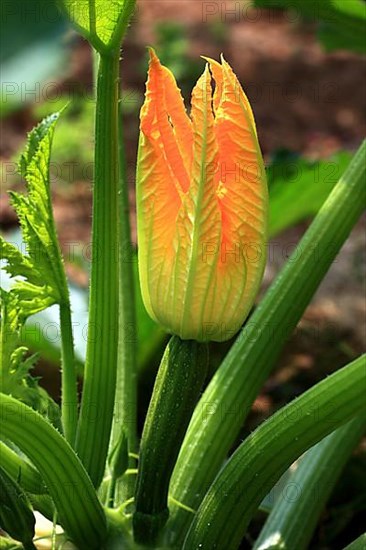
(177, 388)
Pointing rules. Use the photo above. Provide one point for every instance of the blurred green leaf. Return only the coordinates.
(298, 187)
(342, 23)
(172, 43)
(31, 50)
(10, 544)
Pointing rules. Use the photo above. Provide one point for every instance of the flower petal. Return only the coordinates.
(172, 121)
(216, 71)
(243, 199)
(199, 221)
(159, 187)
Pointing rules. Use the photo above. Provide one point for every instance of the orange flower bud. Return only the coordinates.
(201, 204)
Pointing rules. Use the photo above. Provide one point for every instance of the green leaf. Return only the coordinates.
(9, 335)
(79, 511)
(102, 22)
(41, 267)
(342, 23)
(298, 187)
(44, 281)
(15, 367)
(16, 516)
(227, 400)
(262, 458)
(293, 519)
(35, 57)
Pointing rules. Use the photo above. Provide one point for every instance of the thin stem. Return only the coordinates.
(69, 404)
(69, 391)
(101, 359)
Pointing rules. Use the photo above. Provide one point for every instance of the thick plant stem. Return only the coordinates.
(69, 402)
(101, 359)
(178, 385)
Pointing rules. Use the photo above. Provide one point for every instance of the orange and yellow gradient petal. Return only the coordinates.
(201, 204)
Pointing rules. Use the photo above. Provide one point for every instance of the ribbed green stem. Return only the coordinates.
(125, 410)
(101, 359)
(78, 509)
(177, 387)
(227, 400)
(292, 521)
(237, 491)
(69, 400)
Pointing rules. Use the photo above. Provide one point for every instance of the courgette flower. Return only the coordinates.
(201, 204)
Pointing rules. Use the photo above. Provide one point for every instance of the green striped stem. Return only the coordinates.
(291, 522)
(78, 509)
(97, 404)
(237, 491)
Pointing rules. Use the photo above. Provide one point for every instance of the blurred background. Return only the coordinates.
(302, 65)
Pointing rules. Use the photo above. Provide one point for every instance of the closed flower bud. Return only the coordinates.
(201, 204)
